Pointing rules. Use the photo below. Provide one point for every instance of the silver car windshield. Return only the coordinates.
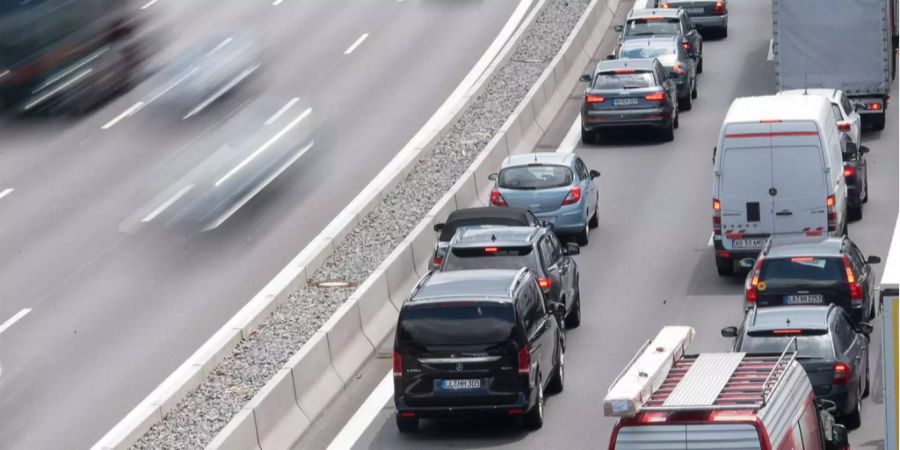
(535, 177)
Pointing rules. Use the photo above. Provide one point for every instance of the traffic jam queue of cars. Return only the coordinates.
(485, 331)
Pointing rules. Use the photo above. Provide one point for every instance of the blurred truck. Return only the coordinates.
(839, 44)
(890, 341)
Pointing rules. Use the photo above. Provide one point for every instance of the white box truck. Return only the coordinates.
(840, 44)
(890, 342)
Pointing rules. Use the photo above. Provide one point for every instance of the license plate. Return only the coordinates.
(460, 385)
(694, 10)
(748, 243)
(625, 101)
(805, 299)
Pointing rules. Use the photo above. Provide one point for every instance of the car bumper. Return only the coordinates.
(568, 219)
(655, 117)
(520, 406)
(720, 22)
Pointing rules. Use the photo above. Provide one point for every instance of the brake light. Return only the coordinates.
(497, 199)
(437, 260)
(750, 290)
(842, 373)
(524, 361)
(686, 45)
(398, 365)
(573, 197)
(832, 213)
(717, 217)
(491, 249)
(770, 121)
(788, 331)
(719, 8)
(678, 70)
(849, 171)
(624, 71)
(856, 296)
(843, 127)
(655, 97)
(873, 106)
(664, 5)
(544, 283)
(593, 99)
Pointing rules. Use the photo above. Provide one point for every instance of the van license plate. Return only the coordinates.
(748, 243)
(806, 299)
(460, 385)
(625, 101)
(694, 10)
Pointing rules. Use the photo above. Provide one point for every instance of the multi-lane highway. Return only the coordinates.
(102, 295)
(650, 262)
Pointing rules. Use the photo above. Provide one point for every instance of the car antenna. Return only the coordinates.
(805, 84)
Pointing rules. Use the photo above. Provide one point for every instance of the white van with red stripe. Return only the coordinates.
(778, 171)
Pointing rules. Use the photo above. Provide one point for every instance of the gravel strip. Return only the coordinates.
(196, 420)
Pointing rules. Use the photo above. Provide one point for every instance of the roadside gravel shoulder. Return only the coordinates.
(196, 420)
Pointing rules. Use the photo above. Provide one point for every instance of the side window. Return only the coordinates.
(660, 73)
(845, 103)
(581, 168)
(838, 115)
(523, 305)
(843, 333)
(536, 310)
(546, 252)
(555, 246)
(856, 259)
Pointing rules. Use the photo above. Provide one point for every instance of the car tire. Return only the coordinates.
(865, 393)
(724, 271)
(700, 63)
(694, 92)
(854, 419)
(581, 238)
(534, 418)
(686, 103)
(558, 382)
(844, 230)
(588, 137)
(866, 191)
(407, 424)
(724, 33)
(668, 133)
(855, 213)
(573, 318)
(594, 221)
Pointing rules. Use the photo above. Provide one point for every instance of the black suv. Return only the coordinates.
(477, 342)
(834, 354)
(477, 218)
(813, 271)
(537, 249)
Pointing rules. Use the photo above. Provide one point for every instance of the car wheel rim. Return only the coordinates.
(540, 404)
(562, 366)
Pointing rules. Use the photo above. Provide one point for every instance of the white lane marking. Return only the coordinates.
(283, 110)
(174, 198)
(6, 192)
(356, 44)
(124, 114)
(246, 73)
(149, 4)
(771, 55)
(14, 319)
(59, 88)
(366, 413)
(570, 142)
(710, 243)
(265, 146)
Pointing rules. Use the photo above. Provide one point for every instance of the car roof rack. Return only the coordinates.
(661, 377)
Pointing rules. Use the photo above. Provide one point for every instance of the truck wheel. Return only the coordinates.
(407, 424)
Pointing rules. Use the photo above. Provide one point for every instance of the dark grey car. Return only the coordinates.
(659, 22)
(629, 93)
(680, 67)
(834, 354)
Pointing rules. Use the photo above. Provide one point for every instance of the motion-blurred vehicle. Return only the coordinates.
(856, 173)
(848, 120)
(778, 171)
(482, 217)
(477, 342)
(813, 271)
(705, 14)
(834, 353)
(66, 56)
(534, 248)
(657, 22)
(680, 67)
(625, 93)
(667, 399)
(556, 187)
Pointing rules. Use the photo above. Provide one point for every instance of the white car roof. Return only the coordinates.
(779, 107)
(831, 94)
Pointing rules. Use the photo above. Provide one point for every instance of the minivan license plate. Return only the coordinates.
(804, 299)
(625, 101)
(748, 243)
(460, 385)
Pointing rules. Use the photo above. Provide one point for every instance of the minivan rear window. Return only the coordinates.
(813, 272)
(634, 80)
(474, 258)
(538, 176)
(458, 323)
(810, 343)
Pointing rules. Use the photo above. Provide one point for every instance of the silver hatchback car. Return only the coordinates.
(556, 187)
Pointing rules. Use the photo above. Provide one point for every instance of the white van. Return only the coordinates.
(778, 172)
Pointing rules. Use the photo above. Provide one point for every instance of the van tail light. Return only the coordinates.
(524, 361)
(832, 213)
(591, 99)
(719, 8)
(497, 199)
(398, 365)
(678, 70)
(750, 290)
(437, 260)
(842, 373)
(544, 283)
(717, 217)
(655, 97)
(856, 296)
(849, 171)
(573, 197)
(843, 127)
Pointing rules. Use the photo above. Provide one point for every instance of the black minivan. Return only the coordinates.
(477, 342)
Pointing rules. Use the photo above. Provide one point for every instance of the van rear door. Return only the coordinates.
(719, 436)
(745, 176)
(799, 180)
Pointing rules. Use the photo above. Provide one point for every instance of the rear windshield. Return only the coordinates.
(802, 271)
(658, 27)
(647, 51)
(450, 228)
(810, 344)
(637, 80)
(534, 177)
(479, 258)
(459, 323)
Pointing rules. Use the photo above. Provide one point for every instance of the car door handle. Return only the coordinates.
(784, 212)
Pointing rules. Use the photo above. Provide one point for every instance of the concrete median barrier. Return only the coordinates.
(399, 269)
(239, 434)
(466, 193)
(421, 239)
(349, 346)
(377, 314)
(316, 382)
(278, 418)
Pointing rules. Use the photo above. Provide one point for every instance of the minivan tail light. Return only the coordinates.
(842, 373)
(832, 213)
(573, 197)
(497, 199)
(719, 8)
(750, 291)
(544, 283)
(655, 97)
(843, 127)
(849, 171)
(398, 365)
(524, 361)
(856, 296)
(717, 217)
